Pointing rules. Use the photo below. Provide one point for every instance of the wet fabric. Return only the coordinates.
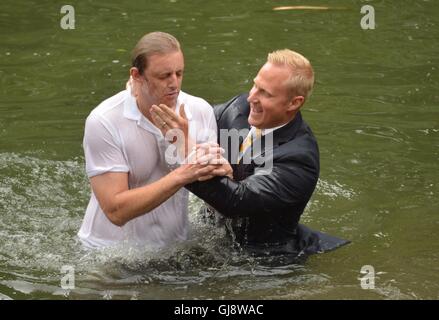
(262, 206)
(118, 138)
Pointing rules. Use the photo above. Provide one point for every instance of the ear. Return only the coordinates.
(295, 103)
(135, 74)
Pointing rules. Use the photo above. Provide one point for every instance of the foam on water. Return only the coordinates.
(42, 203)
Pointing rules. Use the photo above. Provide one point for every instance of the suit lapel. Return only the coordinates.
(241, 121)
(279, 136)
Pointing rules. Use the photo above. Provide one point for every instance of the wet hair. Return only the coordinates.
(301, 81)
(152, 43)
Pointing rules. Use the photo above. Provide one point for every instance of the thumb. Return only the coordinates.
(182, 112)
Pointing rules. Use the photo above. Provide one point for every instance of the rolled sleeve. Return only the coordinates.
(103, 152)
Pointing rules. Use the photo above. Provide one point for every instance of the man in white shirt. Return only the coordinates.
(135, 198)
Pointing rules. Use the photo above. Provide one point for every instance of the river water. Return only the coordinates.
(374, 111)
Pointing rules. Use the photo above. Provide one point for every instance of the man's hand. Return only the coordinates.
(216, 171)
(188, 173)
(168, 121)
(210, 155)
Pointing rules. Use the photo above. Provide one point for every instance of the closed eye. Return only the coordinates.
(164, 76)
(262, 91)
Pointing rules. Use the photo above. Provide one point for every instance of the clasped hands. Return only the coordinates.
(205, 159)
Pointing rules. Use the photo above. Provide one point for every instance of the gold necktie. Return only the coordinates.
(254, 134)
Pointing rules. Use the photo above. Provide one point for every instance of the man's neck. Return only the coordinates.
(144, 108)
(268, 130)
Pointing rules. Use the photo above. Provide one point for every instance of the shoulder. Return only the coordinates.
(108, 111)
(300, 153)
(306, 141)
(110, 105)
(237, 102)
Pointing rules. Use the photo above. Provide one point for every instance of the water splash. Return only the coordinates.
(42, 203)
(334, 190)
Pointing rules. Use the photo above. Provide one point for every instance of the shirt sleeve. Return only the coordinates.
(102, 149)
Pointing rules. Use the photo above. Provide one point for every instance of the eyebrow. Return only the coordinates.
(262, 89)
(169, 72)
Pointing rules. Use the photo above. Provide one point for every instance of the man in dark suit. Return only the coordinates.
(263, 203)
(276, 168)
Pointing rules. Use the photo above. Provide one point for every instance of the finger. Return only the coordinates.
(202, 156)
(218, 172)
(201, 149)
(218, 161)
(215, 153)
(206, 145)
(210, 149)
(182, 112)
(211, 158)
(170, 113)
(205, 170)
(205, 159)
(191, 158)
(204, 178)
(161, 114)
(156, 119)
(169, 116)
(216, 150)
(200, 153)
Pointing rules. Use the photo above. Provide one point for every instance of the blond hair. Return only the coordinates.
(152, 43)
(301, 81)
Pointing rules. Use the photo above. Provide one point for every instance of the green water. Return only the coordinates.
(374, 112)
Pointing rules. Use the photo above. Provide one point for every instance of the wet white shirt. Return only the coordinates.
(118, 138)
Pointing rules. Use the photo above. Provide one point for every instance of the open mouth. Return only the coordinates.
(255, 110)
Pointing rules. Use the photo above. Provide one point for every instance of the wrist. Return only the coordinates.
(178, 177)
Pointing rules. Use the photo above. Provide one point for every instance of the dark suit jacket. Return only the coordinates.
(263, 210)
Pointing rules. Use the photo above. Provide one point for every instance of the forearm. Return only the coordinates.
(228, 197)
(133, 203)
(255, 195)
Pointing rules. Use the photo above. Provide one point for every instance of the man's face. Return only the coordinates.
(163, 78)
(269, 98)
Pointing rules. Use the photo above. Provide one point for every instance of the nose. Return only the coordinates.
(173, 81)
(251, 95)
